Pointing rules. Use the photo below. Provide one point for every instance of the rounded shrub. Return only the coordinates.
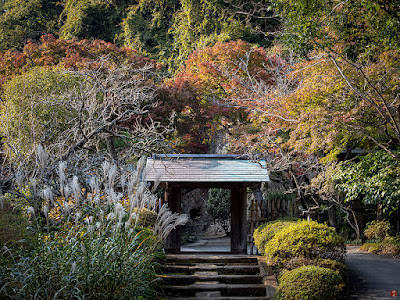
(310, 282)
(332, 264)
(146, 217)
(377, 230)
(267, 231)
(391, 245)
(308, 239)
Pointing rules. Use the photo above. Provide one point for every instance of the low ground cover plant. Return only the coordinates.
(13, 225)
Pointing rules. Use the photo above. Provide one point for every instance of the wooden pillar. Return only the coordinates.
(173, 197)
(238, 220)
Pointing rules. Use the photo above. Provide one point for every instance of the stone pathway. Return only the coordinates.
(372, 276)
(212, 244)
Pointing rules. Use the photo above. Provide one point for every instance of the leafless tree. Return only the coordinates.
(107, 113)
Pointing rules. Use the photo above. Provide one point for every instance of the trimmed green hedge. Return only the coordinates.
(267, 231)
(332, 264)
(310, 282)
(307, 239)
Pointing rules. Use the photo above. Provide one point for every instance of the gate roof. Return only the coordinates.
(205, 168)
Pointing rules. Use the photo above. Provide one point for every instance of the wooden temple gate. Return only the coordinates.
(233, 172)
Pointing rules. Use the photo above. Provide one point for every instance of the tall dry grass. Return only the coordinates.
(89, 240)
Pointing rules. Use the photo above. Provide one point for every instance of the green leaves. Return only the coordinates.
(218, 207)
(351, 28)
(26, 19)
(266, 232)
(374, 179)
(310, 282)
(77, 264)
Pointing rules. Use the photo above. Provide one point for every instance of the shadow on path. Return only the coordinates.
(372, 276)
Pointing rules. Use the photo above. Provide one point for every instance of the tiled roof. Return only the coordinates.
(205, 168)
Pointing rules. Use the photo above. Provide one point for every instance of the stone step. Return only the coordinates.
(228, 279)
(191, 259)
(212, 276)
(244, 290)
(211, 296)
(226, 269)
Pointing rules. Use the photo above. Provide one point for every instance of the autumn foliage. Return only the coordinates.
(336, 109)
(67, 54)
(217, 89)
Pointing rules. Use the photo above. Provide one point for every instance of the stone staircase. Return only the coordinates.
(209, 276)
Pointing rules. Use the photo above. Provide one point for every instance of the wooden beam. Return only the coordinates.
(208, 185)
(238, 220)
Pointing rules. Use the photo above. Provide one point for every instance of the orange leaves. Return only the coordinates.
(10, 63)
(234, 83)
(69, 54)
(231, 72)
(224, 66)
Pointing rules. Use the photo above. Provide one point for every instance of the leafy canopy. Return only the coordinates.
(348, 27)
(21, 20)
(375, 179)
(68, 54)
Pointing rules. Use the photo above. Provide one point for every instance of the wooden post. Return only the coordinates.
(173, 197)
(238, 220)
(252, 224)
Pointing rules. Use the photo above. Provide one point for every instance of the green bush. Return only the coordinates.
(146, 217)
(377, 230)
(13, 226)
(372, 247)
(391, 245)
(320, 262)
(218, 207)
(267, 231)
(308, 239)
(310, 282)
(380, 240)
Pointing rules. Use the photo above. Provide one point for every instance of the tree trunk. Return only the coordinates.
(332, 216)
(379, 212)
(111, 147)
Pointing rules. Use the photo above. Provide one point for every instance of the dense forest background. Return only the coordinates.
(311, 86)
(164, 30)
